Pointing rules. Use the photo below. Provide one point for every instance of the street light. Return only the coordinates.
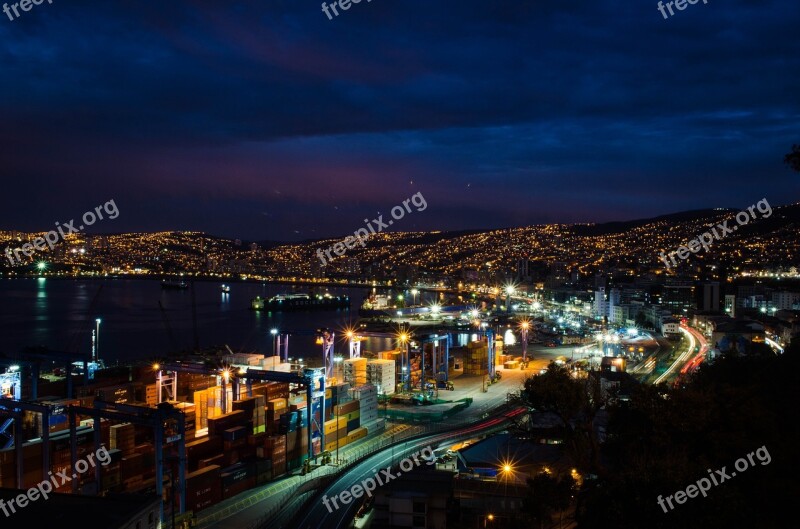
(524, 326)
(96, 347)
(337, 361)
(414, 292)
(509, 289)
(274, 333)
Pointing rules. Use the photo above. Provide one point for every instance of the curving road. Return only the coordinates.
(693, 364)
(320, 517)
(687, 359)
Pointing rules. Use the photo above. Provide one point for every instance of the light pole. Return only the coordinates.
(524, 326)
(96, 339)
(414, 292)
(337, 372)
(403, 338)
(274, 333)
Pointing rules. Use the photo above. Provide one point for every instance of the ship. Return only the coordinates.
(226, 289)
(169, 284)
(383, 305)
(310, 301)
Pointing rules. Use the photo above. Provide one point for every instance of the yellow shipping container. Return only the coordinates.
(331, 426)
(350, 416)
(277, 404)
(358, 433)
(331, 446)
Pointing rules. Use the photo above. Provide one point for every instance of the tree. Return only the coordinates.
(575, 403)
(547, 495)
(793, 158)
(664, 439)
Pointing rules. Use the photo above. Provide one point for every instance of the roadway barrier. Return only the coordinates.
(421, 418)
(405, 452)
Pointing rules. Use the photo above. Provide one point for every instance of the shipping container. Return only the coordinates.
(235, 434)
(353, 425)
(219, 424)
(203, 488)
(355, 435)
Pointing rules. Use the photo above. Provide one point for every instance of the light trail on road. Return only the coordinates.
(318, 516)
(681, 359)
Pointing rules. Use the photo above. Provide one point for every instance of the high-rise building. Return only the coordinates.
(600, 305)
(351, 266)
(679, 295)
(711, 296)
(730, 305)
(523, 269)
(785, 300)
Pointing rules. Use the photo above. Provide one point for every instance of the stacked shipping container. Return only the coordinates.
(381, 374)
(355, 371)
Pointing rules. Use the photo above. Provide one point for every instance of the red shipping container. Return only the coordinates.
(238, 488)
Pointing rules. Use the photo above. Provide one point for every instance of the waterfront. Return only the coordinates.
(60, 314)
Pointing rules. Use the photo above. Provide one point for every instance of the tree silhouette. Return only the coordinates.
(793, 158)
(546, 496)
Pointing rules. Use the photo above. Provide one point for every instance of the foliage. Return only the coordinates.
(793, 158)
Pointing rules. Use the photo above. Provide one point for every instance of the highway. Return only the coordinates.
(318, 516)
(695, 361)
(687, 361)
(249, 508)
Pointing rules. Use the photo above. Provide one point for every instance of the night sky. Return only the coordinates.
(265, 120)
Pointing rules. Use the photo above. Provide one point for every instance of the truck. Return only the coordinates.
(440, 384)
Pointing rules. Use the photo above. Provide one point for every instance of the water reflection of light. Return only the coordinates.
(41, 292)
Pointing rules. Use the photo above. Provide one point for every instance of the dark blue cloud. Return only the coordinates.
(266, 120)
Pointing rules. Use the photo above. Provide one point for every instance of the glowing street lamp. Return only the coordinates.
(414, 293)
(97, 339)
(524, 326)
(274, 333)
(509, 289)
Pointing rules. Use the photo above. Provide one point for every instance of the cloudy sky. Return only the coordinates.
(266, 120)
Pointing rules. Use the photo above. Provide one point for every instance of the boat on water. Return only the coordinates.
(226, 289)
(309, 301)
(171, 284)
(384, 305)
